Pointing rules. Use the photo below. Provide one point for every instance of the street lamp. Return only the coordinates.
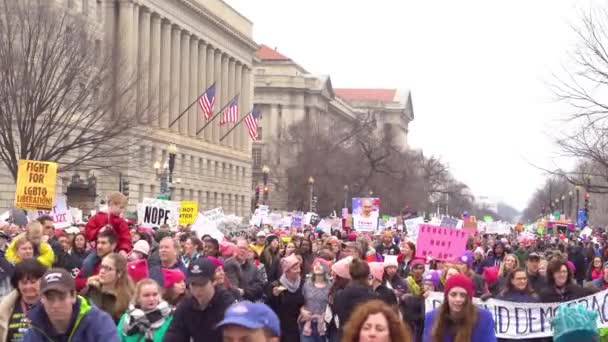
(265, 172)
(346, 196)
(172, 153)
(311, 184)
(563, 201)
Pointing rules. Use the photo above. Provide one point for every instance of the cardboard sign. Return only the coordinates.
(62, 217)
(448, 222)
(499, 228)
(514, 320)
(214, 215)
(202, 227)
(440, 243)
(187, 212)
(35, 184)
(156, 212)
(470, 228)
(411, 227)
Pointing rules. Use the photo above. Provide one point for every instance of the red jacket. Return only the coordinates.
(121, 229)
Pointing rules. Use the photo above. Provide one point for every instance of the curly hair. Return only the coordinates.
(397, 330)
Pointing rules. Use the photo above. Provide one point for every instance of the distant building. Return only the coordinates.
(287, 93)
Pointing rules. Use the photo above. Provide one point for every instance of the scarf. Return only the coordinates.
(138, 321)
(186, 259)
(291, 286)
(413, 285)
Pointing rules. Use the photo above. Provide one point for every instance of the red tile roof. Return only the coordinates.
(265, 52)
(384, 95)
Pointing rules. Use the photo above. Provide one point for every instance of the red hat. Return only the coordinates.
(416, 262)
(459, 280)
(351, 237)
(217, 262)
(171, 277)
(138, 270)
(490, 274)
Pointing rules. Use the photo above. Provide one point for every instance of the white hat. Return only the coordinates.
(142, 247)
(261, 234)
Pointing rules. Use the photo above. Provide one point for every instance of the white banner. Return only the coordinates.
(411, 227)
(514, 320)
(156, 212)
(62, 218)
(499, 228)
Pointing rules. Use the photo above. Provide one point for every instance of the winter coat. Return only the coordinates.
(347, 299)
(287, 307)
(159, 333)
(483, 331)
(6, 310)
(192, 324)
(119, 224)
(518, 297)
(538, 282)
(105, 301)
(81, 280)
(386, 294)
(88, 324)
(245, 276)
(43, 252)
(573, 291)
(155, 271)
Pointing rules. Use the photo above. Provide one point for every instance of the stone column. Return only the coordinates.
(175, 77)
(247, 96)
(143, 57)
(184, 100)
(154, 70)
(225, 96)
(219, 97)
(231, 93)
(237, 135)
(165, 74)
(125, 59)
(195, 91)
(210, 78)
(202, 84)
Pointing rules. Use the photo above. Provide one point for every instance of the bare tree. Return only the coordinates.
(60, 98)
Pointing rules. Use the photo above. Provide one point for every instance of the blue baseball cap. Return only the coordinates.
(252, 316)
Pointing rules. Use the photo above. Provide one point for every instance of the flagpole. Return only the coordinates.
(216, 115)
(233, 127)
(190, 106)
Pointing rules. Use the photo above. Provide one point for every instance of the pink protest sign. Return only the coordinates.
(440, 243)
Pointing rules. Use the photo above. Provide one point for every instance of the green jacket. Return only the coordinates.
(158, 334)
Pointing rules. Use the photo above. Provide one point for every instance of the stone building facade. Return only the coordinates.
(182, 46)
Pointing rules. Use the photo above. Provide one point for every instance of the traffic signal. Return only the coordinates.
(257, 194)
(125, 187)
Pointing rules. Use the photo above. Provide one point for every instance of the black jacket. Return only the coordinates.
(538, 282)
(387, 295)
(189, 322)
(573, 291)
(246, 277)
(347, 299)
(287, 307)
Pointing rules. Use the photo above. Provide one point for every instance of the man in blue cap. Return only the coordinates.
(251, 322)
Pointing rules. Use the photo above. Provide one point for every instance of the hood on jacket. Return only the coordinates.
(40, 322)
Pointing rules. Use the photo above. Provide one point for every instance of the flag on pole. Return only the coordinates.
(231, 112)
(207, 101)
(251, 121)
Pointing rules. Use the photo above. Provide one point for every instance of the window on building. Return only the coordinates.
(85, 7)
(307, 115)
(256, 155)
(260, 137)
(140, 193)
(142, 156)
(99, 11)
(201, 165)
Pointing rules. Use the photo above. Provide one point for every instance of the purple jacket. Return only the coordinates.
(482, 332)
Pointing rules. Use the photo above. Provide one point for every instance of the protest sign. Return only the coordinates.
(311, 219)
(440, 243)
(497, 228)
(202, 226)
(344, 213)
(156, 212)
(275, 220)
(76, 215)
(586, 232)
(296, 221)
(214, 215)
(411, 227)
(366, 212)
(35, 184)
(448, 222)
(62, 217)
(325, 225)
(513, 320)
(188, 211)
(470, 227)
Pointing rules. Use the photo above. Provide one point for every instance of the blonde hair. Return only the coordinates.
(502, 271)
(138, 287)
(22, 240)
(118, 198)
(34, 228)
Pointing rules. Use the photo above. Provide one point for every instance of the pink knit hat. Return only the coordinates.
(217, 262)
(289, 262)
(340, 268)
(326, 264)
(376, 269)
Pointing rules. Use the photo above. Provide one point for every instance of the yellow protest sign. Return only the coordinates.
(35, 184)
(187, 212)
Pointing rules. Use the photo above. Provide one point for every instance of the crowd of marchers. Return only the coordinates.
(112, 280)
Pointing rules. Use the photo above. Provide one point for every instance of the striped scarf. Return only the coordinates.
(138, 321)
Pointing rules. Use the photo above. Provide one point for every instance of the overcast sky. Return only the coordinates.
(479, 73)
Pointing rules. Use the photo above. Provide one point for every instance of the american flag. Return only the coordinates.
(231, 112)
(251, 121)
(207, 101)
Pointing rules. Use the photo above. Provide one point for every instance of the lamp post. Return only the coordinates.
(346, 196)
(265, 172)
(563, 201)
(311, 185)
(172, 153)
(570, 204)
(578, 188)
(164, 172)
